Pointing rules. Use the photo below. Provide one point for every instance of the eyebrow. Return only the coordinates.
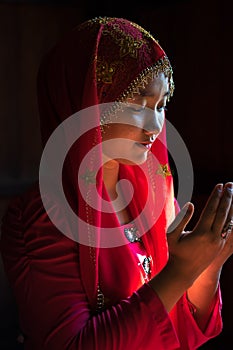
(167, 93)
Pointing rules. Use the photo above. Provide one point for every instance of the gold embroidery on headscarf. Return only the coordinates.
(105, 71)
(129, 46)
(144, 32)
(89, 177)
(163, 170)
(127, 43)
(106, 20)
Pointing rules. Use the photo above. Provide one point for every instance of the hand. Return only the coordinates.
(227, 250)
(190, 253)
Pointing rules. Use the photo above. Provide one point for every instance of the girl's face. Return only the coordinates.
(129, 140)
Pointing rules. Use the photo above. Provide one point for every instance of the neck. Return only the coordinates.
(110, 177)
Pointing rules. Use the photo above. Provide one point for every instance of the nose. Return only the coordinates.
(153, 122)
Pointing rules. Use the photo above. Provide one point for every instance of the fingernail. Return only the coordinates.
(230, 187)
(219, 187)
(186, 208)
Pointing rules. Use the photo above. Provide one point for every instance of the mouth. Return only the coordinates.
(146, 145)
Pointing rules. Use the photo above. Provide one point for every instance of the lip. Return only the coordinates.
(146, 144)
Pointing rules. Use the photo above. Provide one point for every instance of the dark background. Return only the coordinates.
(197, 37)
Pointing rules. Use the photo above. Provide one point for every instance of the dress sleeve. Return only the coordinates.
(43, 269)
(188, 332)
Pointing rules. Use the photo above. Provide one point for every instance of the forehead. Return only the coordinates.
(158, 84)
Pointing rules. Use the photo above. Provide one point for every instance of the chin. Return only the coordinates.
(133, 160)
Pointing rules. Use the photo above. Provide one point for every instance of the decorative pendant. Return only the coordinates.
(132, 234)
(146, 265)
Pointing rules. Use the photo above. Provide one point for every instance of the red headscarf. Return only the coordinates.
(106, 60)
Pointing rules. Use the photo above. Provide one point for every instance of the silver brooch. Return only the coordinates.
(132, 234)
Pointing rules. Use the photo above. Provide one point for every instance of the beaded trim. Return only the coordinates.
(98, 20)
(161, 66)
(100, 299)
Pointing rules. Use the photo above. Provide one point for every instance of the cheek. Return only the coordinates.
(131, 132)
(110, 131)
(129, 118)
(120, 131)
(161, 120)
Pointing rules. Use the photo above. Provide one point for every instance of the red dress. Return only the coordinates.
(44, 269)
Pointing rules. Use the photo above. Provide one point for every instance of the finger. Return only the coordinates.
(209, 212)
(230, 214)
(228, 225)
(224, 208)
(181, 220)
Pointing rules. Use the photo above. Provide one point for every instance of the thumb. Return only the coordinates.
(181, 220)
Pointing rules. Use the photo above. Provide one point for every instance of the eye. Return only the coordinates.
(136, 108)
(162, 108)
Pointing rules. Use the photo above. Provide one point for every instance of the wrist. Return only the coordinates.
(169, 284)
